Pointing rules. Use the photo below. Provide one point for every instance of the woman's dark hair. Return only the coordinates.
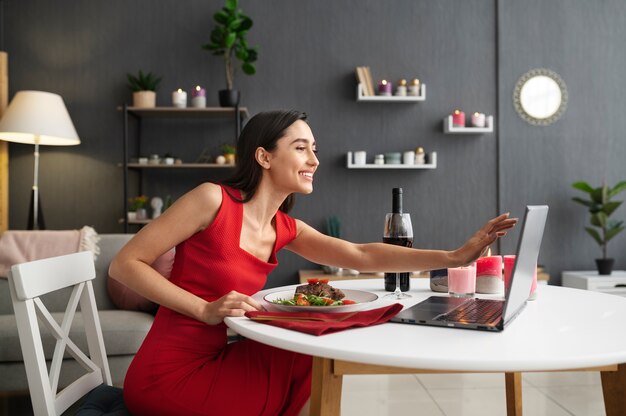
(262, 130)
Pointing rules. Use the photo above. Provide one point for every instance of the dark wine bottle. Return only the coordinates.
(397, 233)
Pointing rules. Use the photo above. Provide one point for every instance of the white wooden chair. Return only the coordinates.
(29, 281)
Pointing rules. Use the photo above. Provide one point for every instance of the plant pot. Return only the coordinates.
(230, 158)
(144, 99)
(141, 214)
(229, 98)
(605, 266)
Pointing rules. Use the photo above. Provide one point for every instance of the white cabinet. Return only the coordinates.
(614, 283)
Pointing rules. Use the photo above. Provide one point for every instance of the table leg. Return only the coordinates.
(614, 390)
(513, 394)
(325, 388)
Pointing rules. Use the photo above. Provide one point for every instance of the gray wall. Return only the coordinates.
(469, 53)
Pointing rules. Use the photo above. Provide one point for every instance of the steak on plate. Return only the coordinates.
(321, 289)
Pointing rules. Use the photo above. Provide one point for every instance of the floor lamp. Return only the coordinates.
(39, 118)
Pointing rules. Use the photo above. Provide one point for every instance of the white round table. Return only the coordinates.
(564, 329)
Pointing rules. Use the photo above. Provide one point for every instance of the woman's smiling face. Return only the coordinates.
(293, 162)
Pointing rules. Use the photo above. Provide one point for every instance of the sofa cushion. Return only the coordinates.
(123, 333)
(127, 299)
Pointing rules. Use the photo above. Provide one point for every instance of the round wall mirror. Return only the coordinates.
(540, 97)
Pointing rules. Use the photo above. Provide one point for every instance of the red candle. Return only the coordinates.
(489, 266)
(489, 274)
(458, 118)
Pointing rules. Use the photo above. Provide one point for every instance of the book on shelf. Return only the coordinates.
(365, 79)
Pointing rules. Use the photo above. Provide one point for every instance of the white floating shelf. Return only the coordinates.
(391, 99)
(431, 165)
(449, 128)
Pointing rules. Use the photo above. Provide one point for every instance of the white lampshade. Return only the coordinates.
(37, 117)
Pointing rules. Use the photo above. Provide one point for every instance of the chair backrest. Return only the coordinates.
(29, 281)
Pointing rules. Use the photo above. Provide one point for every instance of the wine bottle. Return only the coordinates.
(398, 231)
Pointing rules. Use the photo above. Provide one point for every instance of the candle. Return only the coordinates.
(478, 120)
(420, 156)
(384, 88)
(458, 118)
(489, 274)
(414, 88)
(198, 97)
(179, 98)
(462, 281)
(509, 262)
(401, 88)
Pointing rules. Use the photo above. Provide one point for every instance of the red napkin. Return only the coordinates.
(333, 323)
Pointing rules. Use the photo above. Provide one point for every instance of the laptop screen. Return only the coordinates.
(526, 259)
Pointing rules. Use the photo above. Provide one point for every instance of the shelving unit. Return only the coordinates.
(449, 128)
(237, 114)
(391, 99)
(432, 164)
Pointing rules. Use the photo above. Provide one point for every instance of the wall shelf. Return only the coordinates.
(449, 128)
(391, 99)
(179, 166)
(431, 165)
(187, 112)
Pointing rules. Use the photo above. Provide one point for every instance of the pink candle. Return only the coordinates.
(198, 92)
(384, 88)
(458, 118)
(489, 274)
(509, 262)
(462, 281)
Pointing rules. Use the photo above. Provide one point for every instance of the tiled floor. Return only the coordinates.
(543, 394)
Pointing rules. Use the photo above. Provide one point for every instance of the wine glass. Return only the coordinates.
(398, 231)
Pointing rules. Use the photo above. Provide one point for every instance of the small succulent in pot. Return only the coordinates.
(144, 88)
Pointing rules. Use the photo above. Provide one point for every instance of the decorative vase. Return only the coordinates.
(229, 98)
(144, 99)
(605, 266)
(230, 158)
(141, 214)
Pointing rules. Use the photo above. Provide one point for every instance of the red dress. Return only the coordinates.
(185, 367)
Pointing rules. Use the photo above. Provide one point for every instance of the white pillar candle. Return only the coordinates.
(179, 98)
(478, 120)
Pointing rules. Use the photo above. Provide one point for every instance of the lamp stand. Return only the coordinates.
(35, 215)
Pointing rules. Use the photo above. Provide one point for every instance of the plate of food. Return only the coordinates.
(318, 296)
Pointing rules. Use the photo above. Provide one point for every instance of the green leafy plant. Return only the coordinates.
(228, 39)
(601, 207)
(227, 149)
(138, 202)
(143, 82)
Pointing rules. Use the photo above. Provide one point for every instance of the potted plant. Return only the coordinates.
(144, 88)
(138, 207)
(228, 39)
(601, 207)
(228, 152)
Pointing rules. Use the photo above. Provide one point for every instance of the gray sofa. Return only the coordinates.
(123, 331)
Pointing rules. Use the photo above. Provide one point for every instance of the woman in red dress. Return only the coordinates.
(226, 238)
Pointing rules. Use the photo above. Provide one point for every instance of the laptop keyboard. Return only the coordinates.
(479, 311)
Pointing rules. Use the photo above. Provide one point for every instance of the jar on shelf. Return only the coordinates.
(420, 156)
(414, 88)
(379, 159)
(401, 88)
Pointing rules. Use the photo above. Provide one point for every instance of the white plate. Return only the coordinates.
(361, 298)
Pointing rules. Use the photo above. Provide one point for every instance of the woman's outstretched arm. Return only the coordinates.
(380, 257)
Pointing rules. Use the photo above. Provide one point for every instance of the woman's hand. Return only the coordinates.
(483, 238)
(231, 304)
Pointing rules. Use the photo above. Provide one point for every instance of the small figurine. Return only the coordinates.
(157, 205)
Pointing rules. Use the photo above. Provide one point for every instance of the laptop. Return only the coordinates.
(487, 314)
